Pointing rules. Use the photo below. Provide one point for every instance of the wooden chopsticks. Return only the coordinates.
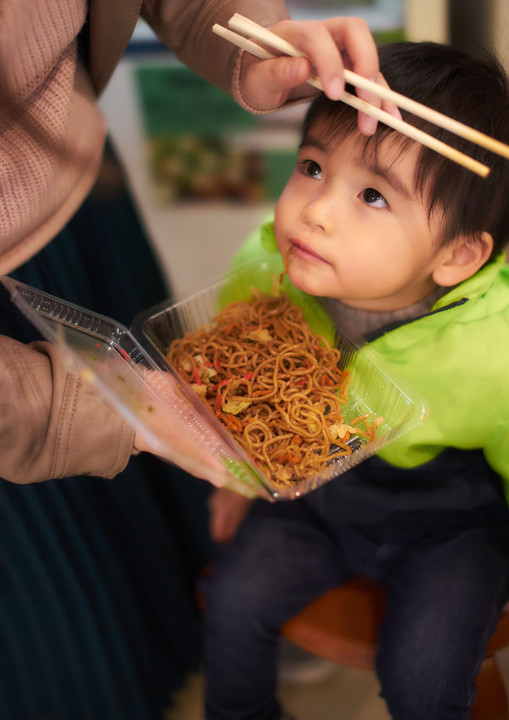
(243, 25)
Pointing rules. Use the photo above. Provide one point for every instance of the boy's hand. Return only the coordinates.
(227, 510)
(331, 45)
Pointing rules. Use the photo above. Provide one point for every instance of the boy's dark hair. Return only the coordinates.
(471, 89)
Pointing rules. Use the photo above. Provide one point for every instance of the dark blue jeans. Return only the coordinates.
(446, 576)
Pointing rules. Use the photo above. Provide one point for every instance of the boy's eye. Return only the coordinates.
(310, 168)
(372, 197)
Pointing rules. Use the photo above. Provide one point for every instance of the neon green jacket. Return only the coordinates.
(457, 357)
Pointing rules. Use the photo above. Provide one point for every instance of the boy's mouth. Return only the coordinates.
(300, 249)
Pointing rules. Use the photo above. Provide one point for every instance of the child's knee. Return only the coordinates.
(421, 690)
(231, 599)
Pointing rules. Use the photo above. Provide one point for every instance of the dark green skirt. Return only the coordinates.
(98, 619)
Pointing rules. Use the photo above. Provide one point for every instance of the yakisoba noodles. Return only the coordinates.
(275, 385)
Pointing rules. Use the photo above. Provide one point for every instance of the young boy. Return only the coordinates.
(406, 246)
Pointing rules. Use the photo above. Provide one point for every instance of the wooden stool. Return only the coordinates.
(342, 626)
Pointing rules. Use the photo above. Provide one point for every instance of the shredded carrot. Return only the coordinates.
(325, 380)
(289, 456)
(233, 422)
(234, 325)
(359, 419)
(260, 393)
(301, 382)
(220, 384)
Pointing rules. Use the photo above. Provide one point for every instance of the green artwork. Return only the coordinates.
(202, 145)
(175, 100)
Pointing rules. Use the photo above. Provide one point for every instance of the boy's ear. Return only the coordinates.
(463, 259)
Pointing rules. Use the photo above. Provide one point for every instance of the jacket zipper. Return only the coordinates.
(370, 337)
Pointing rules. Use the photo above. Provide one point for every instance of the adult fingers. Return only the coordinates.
(331, 45)
(266, 84)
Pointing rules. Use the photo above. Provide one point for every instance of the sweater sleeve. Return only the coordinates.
(186, 27)
(52, 423)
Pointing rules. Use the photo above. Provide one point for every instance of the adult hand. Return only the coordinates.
(174, 428)
(170, 427)
(331, 45)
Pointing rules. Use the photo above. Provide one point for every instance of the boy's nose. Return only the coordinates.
(318, 213)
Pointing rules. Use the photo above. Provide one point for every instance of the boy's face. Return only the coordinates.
(357, 229)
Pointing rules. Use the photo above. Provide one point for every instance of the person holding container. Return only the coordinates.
(97, 613)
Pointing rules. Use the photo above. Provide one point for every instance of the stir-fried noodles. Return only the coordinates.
(275, 385)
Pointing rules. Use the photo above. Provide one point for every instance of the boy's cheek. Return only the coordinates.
(278, 232)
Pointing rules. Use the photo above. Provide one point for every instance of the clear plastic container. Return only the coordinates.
(124, 363)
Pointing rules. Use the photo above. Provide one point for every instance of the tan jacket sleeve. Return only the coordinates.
(53, 424)
(186, 27)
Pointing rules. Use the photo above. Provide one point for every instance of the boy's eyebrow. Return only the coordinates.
(386, 173)
(371, 164)
(311, 141)
(391, 177)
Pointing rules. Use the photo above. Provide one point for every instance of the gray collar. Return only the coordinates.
(367, 321)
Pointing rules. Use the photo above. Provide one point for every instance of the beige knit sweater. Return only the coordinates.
(51, 140)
